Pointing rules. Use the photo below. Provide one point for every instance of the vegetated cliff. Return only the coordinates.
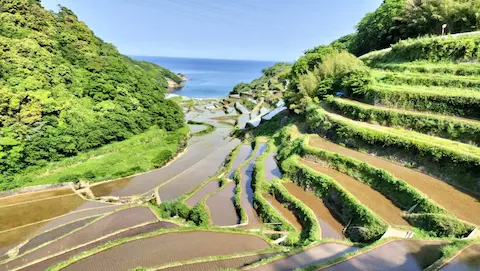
(64, 91)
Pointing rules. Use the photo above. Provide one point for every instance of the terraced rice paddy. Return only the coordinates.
(460, 203)
(329, 224)
(43, 265)
(287, 214)
(364, 193)
(271, 167)
(117, 221)
(219, 264)
(200, 194)
(221, 206)
(196, 174)
(194, 128)
(468, 260)
(34, 196)
(316, 255)
(247, 191)
(412, 255)
(169, 247)
(243, 154)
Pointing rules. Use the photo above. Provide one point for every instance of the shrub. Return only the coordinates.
(169, 209)
(440, 225)
(199, 214)
(69, 178)
(161, 158)
(88, 175)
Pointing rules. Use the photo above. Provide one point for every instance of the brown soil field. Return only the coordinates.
(411, 255)
(25, 197)
(247, 191)
(219, 264)
(169, 247)
(468, 260)
(287, 214)
(13, 216)
(200, 194)
(221, 206)
(106, 188)
(53, 234)
(329, 224)
(43, 265)
(462, 205)
(243, 154)
(197, 174)
(369, 197)
(316, 255)
(198, 148)
(117, 221)
(271, 167)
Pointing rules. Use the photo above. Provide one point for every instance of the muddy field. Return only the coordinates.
(200, 194)
(26, 197)
(316, 255)
(117, 221)
(43, 265)
(369, 197)
(412, 255)
(221, 206)
(220, 264)
(243, 154)
(329, 224)
(462, 205)
(287, 214)
(169, 247)
(197, 174)
(468, 260)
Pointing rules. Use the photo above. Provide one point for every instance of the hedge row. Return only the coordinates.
(178, 208)
(259, 184)
(420, 79)
(463, 69)
(311, 231)
(440, 48)
(462, 103)
(237, 200)
(450, 128)
(440, 225)
(363, 224)
(446, 163)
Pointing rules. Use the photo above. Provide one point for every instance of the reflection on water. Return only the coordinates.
(271, 167)
(468, 260)
(221, 206)
(200, 194)
(106, 188)
(287, 214)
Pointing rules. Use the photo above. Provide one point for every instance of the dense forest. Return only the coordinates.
(65, 91)
(327, 68)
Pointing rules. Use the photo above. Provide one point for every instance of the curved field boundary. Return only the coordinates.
(97, 229)
(369, 197)
(145, 251)
(271, 168)
(210, 187)
(466, 259)
(395, 255)
(316, 255)
(283, 211)
(44, 264)
(209, 128)
(460, 204)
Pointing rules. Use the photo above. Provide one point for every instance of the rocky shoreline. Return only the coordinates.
(172, 85)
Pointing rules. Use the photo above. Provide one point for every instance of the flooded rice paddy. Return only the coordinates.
(219, 264)
(243, 154)
(468, 260)
(221, 206)
(316, 255)
(169, 247)
(247, 191)
(200, 194)
(196, 174)
(329, 224)
(286, 213)
(43, 265)
(271, 167)
(33, 196)
(117, 221)
(195, 128)
(412, 255)
(461, 204)
(369, 197)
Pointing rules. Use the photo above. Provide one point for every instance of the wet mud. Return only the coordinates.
(221, 206)
(284, 212)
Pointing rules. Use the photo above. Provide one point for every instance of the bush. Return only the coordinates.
(89, 175)
(430, 80)
(69, 178)
(163, 157)
(169, 209)
(440, 225)
(199, 214)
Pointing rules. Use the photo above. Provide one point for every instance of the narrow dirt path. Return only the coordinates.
(371, 198)
(462, 205)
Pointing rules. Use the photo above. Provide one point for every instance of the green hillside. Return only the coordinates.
(64, 91)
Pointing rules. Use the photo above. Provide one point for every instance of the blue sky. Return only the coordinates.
(229, 29)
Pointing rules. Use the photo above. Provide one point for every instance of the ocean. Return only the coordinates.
(210, 78)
